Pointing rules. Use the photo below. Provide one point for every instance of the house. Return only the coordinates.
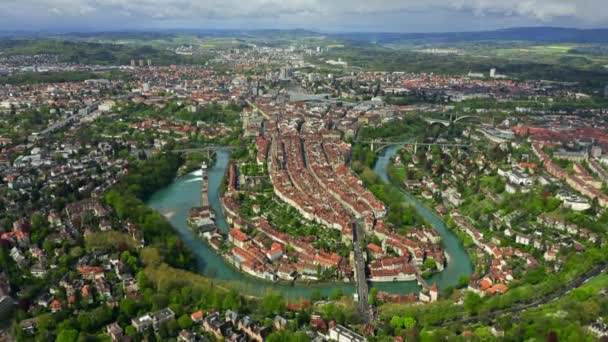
(550, 255)
(142, 323)
(197, 317)
(434, 292)
(598, 328)
(153, 320)
(286, 272)
(522, 239)
(6, 306)
(519, 178)
(45, 300)
(106, 106)
(342, 334)
(16, 254)
(279, 323)
(115, 332)
(237, 237)
(231, 316)
(374, 250)
(276, 252)
(38, 271)
(215, 325)
(186, 336)
(254, 330)
(55, 306)
(424, 297)
(162, 316)
(453, 197)
(91, 272)
(28, 326)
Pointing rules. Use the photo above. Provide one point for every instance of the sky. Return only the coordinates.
(322, 15)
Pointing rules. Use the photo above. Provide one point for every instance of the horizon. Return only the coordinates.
(67, 31)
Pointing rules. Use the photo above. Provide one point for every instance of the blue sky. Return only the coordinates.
(324, 15)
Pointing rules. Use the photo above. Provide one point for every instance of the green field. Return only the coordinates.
(553, 54)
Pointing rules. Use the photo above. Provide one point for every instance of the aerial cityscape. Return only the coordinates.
(300, 179)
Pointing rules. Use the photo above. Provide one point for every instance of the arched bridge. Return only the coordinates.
(378, 145)
(432, 121)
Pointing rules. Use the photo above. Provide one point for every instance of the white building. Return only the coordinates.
(522, 239)
(341, 334)
(106, 106)
(519, 178)
(574, 202)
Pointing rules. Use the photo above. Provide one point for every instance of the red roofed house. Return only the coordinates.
(276, 251)
(197, 317)
(375, 250)
(91, 272)
(485, 284)
(55, 306)
(237, 237)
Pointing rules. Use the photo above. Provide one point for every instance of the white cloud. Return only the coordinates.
(590, 12)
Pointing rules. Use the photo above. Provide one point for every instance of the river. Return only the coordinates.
(175, 200)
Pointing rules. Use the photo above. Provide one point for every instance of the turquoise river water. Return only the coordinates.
(175, 200)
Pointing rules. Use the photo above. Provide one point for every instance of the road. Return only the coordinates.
(518, 308)
(361, 278)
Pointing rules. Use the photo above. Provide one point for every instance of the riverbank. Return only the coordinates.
(184, 193)
(459, 263)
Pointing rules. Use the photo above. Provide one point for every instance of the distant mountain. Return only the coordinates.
(532, 34)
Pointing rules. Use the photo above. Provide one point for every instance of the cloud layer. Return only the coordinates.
(326, 13)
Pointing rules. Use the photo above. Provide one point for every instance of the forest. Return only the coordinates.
(127, 199)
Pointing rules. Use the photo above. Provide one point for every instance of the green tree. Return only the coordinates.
(287, 336)
(373, 293)
(429, 263)
(184, 322)
(472, 302)
(396, 322)
(272, 303)
(128, 307)
(85, 322)
(67, 335)
(336, 294)
(409, 322)
(130, 331)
